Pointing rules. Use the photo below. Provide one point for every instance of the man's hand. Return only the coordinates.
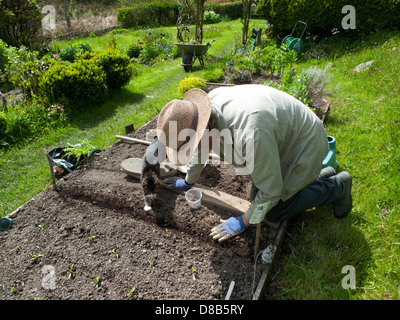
(178, 183)
(228, 228)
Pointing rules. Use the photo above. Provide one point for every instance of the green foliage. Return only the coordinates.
(82, 82)
(228, 10)
(295, 85)
(191, 83)
(323, 18)
(116, 66)
(20, 21)
(134, 50)
(163, 12)
(271, 58)
(214, 75)
(3, 125)
(27, 120)
(211, 17)
(3, 57)
(73, 52)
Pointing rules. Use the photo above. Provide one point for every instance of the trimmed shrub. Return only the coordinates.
(322, 18)
(116, 66)
(191, 83)
(214, 75)
(82, 82)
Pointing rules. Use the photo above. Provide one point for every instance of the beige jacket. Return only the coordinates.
(283, 143)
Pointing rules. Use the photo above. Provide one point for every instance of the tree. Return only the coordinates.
(194, 9)
(20, 22)
(246, 19)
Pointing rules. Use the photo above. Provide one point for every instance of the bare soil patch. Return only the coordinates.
(95, 227)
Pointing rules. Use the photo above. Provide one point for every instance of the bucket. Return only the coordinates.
(193, 197)
(330, 158)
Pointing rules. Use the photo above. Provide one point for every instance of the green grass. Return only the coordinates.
(364, 119)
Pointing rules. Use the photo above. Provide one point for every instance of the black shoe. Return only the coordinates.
(327, 172)
(343, 205)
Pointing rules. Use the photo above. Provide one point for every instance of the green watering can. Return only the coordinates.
(292, 42)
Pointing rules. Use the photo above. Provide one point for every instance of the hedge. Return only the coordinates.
(167, 12)
(145, 14)
(324, 16)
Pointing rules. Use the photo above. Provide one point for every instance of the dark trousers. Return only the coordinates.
(318, 193)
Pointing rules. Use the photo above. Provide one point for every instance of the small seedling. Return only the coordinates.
(115, 251)
(151, 263)
(168, 235)
(36, 256)
(16, 248)
(130, 291)
(91, 237)
(41, 226)
(70, 270)
(96, 281)
(193, 273)
(12, 288)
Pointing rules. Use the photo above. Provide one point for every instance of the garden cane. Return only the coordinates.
(257, 242)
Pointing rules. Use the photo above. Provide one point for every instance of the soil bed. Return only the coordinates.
(95, 227)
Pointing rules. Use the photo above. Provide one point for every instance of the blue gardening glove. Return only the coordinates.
(178, 183)
(228, 228)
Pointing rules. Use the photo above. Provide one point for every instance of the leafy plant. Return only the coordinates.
(191, 83)
(71, 270)
(80, 150)
(214, 75)
(115, 251)
(211, 17)
(295, 85)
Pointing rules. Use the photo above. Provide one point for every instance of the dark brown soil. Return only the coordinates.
(95, 227)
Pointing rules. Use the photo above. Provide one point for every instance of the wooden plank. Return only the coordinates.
(215, 197)
(266, 275)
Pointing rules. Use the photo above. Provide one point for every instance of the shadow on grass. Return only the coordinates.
(88, 116)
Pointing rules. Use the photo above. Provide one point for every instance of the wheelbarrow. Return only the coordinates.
(191, 52)
(295, 43)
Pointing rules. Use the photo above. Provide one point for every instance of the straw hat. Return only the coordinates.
(192, 113)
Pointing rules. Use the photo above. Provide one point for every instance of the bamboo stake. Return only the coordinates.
(51, 169)
(257, 244)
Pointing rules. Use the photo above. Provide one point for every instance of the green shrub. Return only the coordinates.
(191, 83)
(82, 82)
(211, 17)
(214, 75)
(323, 18)
(116, 66)
(272, 58)
(295, 85)
(20, 22)
(3, 125)
(134, 50)
(3, 56)
(147, 14)
(72, 52)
